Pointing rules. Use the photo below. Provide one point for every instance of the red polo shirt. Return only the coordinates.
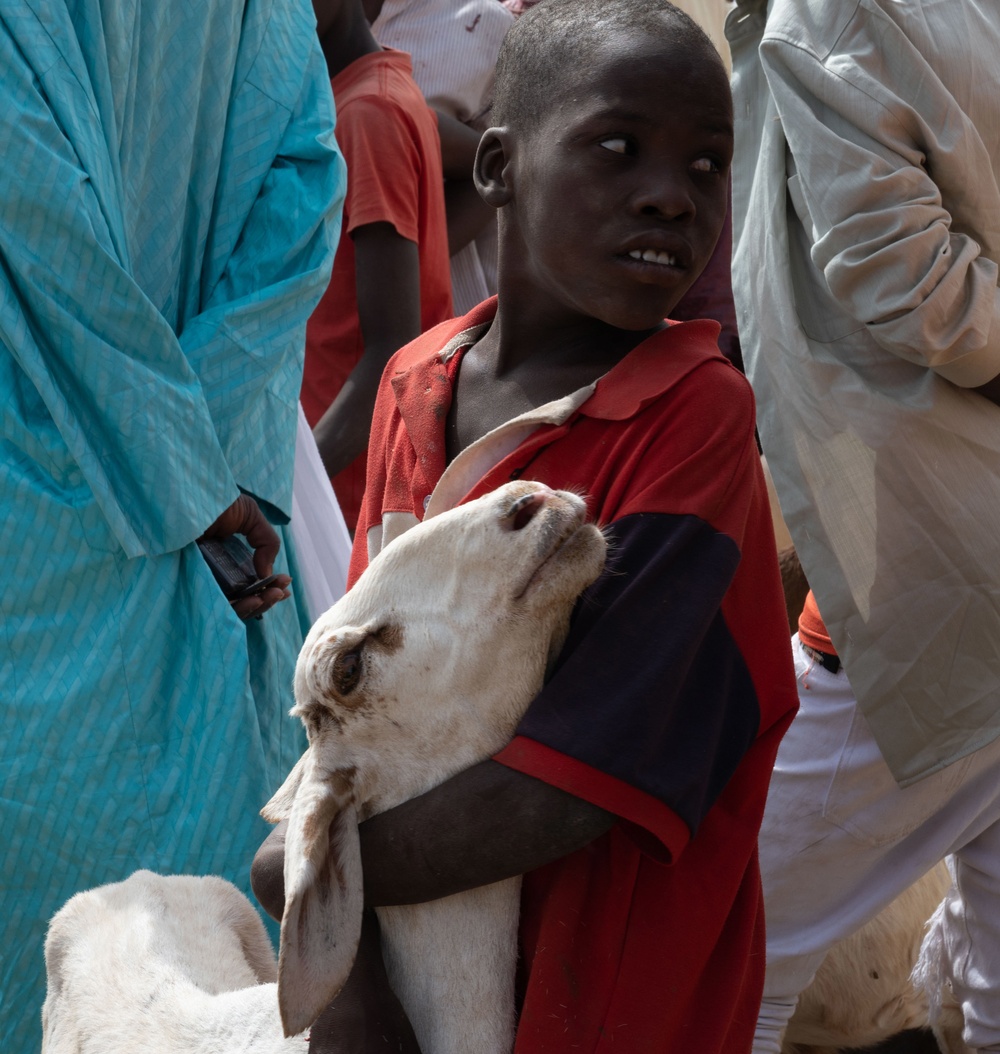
(670, 695)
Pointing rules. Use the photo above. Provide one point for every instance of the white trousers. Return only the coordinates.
(840, 840)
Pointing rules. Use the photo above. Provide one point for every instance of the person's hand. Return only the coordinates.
(244, 517)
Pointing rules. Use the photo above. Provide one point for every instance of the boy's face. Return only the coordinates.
(620, 192)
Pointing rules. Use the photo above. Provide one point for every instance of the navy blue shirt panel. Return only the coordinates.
(650, 686)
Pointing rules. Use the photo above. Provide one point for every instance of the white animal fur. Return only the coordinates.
(161, 965)
(421, 670)
(863, 992)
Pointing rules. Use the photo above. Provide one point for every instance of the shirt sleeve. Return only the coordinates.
(385, 164)
(862, 183)
(651, 707)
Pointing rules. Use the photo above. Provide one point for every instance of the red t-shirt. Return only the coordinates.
(390, 142)
(667, 702)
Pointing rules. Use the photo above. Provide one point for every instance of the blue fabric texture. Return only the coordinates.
(170, 199)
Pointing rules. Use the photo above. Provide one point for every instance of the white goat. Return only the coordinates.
(863, 993)
(161, 965)
(424, 668)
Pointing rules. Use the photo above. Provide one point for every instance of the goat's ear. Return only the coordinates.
(324, 899)
(280, 806)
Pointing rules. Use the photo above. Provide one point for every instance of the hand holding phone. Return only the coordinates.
(242, 570)
(231, 562)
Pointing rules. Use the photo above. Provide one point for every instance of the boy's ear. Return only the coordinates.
(492, 168)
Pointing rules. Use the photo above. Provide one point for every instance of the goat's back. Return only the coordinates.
(160, 965)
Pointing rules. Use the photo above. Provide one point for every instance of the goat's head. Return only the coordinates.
(423, 668)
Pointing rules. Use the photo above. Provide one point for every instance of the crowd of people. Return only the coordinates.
(436, 245)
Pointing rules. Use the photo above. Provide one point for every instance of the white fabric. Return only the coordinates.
(840, 839)
(319, 533)
(866, 221)
(454, 45)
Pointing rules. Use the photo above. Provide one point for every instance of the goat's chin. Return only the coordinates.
(568, 568)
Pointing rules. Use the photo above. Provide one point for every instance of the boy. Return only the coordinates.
(632, 794)
(391, 278)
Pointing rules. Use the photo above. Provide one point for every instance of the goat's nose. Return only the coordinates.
(523, 509)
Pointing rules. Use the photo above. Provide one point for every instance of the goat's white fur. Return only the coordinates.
(864, 992)
(424, 668)
(161, 965)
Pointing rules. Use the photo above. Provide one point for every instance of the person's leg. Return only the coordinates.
(968, 939)
(799, 887)
(840, 839)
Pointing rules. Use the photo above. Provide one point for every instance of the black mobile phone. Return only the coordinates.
(231, 561)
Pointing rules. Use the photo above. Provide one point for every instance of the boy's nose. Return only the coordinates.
(663, 195)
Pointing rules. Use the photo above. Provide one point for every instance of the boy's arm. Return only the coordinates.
(466, 211)
(387, 269)
(626, 721)
(485, 824)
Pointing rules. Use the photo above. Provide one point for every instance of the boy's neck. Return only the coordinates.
(513, 369)
(348, 40)
(579, 350)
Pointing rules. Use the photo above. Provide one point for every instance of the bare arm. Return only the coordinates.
(485, 824)
(366, 1017)
(459, 144)
(482, 825)
(467, 213)
(388, 287)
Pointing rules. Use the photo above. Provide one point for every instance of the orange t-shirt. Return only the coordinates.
(390, 142)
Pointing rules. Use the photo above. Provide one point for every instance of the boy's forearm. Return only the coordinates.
(485, 824)
(341, 434)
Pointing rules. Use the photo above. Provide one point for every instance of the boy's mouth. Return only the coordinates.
(654, 256)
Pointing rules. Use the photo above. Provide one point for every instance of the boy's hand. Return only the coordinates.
(244, 517)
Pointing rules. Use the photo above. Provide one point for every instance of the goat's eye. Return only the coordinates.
(347, 671)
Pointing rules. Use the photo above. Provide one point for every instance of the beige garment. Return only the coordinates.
(866, 220)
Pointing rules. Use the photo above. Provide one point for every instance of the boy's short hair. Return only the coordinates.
(560, 35)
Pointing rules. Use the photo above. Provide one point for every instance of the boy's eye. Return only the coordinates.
(706, 164)
(617, 144)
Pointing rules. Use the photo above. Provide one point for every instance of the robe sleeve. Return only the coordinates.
(863, 159)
